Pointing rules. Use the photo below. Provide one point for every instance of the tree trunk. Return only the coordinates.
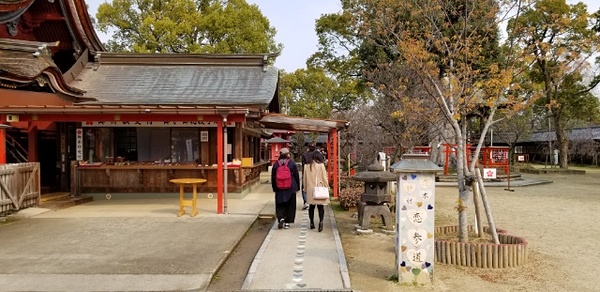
(563, 143)
(463, 191)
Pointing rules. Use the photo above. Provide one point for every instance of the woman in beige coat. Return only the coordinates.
(315, 174)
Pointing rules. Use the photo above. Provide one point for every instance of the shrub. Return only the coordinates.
(349, 197)
(347, 182)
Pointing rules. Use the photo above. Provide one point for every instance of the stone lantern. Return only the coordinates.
(415, 202)
(375, 199)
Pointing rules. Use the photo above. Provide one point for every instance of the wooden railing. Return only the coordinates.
(19, 186)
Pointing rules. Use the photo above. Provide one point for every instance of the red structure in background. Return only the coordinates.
(274, 145)
(489, 157)
(421, 149)
(450, 150)
(495, 157)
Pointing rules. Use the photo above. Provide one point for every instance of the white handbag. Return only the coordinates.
(320, 192)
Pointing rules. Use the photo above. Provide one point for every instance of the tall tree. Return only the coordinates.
(559, 41)
(343, 52)
(307, 93)
(443, 53)
(187, 26)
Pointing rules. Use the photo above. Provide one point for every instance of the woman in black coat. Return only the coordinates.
(285, 199)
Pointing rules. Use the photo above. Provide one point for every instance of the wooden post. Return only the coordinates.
(335, 161)
(2, 141)
(478, 223)
(32, 145)
(486, 206)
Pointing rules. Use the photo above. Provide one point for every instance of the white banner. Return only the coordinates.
(165, 124)
(489, 173)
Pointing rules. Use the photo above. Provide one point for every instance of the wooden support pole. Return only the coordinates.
(486, 206)
(478, 223)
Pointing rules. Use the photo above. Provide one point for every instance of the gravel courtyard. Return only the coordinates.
(559, 220)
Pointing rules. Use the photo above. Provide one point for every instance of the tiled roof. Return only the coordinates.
(588, 133)
(135, 79)
(284, 122)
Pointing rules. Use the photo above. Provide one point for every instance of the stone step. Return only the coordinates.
(55, 201)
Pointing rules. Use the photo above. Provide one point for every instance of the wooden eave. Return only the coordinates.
(148, 59)
(10, 6)
(284, 122)
(23, 62)
(78, 20)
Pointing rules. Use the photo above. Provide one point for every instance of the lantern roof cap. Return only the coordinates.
(375, 173)
(413, 162)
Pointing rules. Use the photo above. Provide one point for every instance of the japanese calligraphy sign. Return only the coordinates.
(415, 227)
(169, 124)
(79, 144)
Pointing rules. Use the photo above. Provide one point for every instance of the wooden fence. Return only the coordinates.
(510, 253)
(19, 186)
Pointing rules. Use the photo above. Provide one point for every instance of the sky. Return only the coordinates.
(295, 24)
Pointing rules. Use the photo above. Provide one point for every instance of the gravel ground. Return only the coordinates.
(557, 219)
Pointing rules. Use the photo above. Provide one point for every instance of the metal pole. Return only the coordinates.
(225, 164)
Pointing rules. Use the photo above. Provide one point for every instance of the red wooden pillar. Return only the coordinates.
(220, 168)
(447, 158)
(32, 145)
(335, 161)
(2, 144)
(328, 150)
(3, 139)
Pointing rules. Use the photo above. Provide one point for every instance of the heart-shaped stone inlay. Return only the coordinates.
(419, 204)
(403, 248)
(404, 177)
(416, 257)
(416, 216)
(413, 176)
(417, 236)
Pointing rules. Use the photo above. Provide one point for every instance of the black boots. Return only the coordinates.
(320, 226)
(312, 225)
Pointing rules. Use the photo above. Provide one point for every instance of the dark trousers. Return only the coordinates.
(286, 210)
(311, 212)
